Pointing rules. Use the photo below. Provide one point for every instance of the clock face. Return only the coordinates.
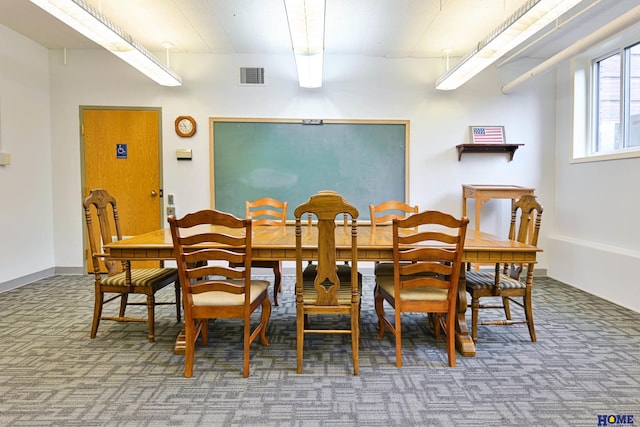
(185, 126)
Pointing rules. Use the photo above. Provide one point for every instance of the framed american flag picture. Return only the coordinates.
(487, 134)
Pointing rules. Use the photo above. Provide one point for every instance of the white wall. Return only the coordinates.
(596, 243)
(26, 211)
(589, 234)
(354, 88)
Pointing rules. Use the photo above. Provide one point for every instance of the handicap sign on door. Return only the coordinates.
(121, 151)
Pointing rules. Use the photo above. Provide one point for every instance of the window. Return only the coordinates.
(604, 115)
(616, 101)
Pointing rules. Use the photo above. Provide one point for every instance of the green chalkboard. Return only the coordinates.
(288, 160)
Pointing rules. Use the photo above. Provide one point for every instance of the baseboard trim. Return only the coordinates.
(25, 280)
(42, 274)
(72, 271)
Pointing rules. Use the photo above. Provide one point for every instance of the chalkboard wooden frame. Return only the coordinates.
(245, 154)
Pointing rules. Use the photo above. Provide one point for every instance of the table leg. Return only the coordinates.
(464, 342)
(464, 204)
(479, 203)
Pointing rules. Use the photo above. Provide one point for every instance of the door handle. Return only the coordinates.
(154, 193)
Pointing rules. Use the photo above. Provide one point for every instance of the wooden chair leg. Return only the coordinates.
(507, 307)
(178, 302)
(300, 320)
(151, 304)
(355, 339)
(398, 333)
(475, 308)
(277, 283)
(203, 331)
(434, 321)
(528, 311)
(124, 298)
(379, 306)
(246, 344)
(264, 320)
(190, 344)
(97, 313)
(451, 345)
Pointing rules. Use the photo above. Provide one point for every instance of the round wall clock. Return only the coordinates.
(185, 126)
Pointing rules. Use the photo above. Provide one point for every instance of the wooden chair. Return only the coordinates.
(268, 211)
(384, 213)
(120, 278)
(211, 288)
(507, 284)
(326, 291)
(427, 263)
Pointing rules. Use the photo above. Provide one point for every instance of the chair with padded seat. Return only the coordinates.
(427, 258)
(206, 245)
(505, 281)
(383, 214)
(327, 288)
(269, 212)
(120, 279)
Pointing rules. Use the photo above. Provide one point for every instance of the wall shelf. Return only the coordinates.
(487, 148)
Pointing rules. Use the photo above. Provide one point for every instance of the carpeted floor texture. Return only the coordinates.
(585, 365)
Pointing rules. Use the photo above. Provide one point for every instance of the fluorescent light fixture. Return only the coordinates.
(530, 18)
(83, 18)
(306, 27)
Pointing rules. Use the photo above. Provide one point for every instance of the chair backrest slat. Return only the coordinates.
(529, 210)
(267, 211)
(525, 210)
(207, 245)
(387, 211)
(432, 243)
(106, 211)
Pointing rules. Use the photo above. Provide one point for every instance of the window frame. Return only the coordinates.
(596, 71)
(585, 99)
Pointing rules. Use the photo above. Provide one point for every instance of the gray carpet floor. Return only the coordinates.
(586, 363)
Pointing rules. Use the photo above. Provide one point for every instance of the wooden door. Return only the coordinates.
(122, 155)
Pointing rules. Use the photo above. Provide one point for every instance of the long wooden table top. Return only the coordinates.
(278, 243)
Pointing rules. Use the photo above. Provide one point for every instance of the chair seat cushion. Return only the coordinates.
(142, 277)
(484, 280)
(383, 269)
(416, 294)
(220, 298)
(386, 269)
(344, 273)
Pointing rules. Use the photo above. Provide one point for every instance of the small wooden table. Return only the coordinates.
(483, 193)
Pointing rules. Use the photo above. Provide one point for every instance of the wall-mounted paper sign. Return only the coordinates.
(183, 153)
(121, 151)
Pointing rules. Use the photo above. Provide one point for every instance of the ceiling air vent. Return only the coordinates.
(251, 75)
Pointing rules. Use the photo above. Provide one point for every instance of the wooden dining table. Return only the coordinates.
(278, 243)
